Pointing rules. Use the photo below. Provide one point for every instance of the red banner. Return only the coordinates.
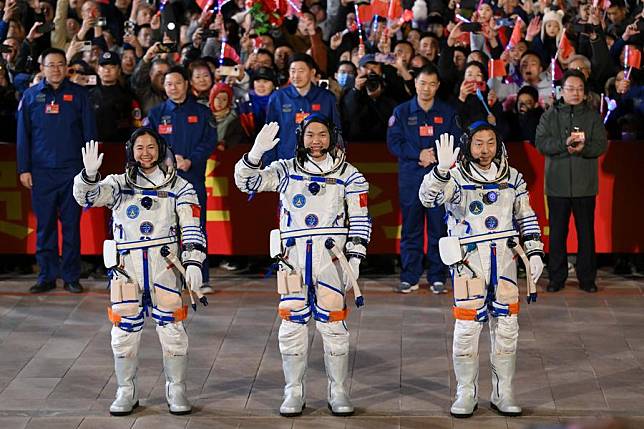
(241, 227)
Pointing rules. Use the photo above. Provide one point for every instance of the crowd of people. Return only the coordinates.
(195, 70)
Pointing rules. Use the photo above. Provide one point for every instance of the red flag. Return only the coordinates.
(395, 10)
(496, 68)
(565, 47)
(204, 3)
(516, 36)
(379, 7)
(632, 56)
(229, 52)
(407, 15)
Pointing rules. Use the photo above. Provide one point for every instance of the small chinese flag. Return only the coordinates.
(379, 7)
(229, 52)
(516, 36)
(364, 200)
(196, 210)
(495, 68)
(565, 47)
(366, 13)
(632, 56)
(395, 10)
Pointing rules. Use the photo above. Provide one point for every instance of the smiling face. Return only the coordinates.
(146, 152)
(201, 80)
(300, 74)
(317, 139)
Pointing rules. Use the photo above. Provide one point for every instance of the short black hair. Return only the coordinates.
(404, 42)
(348, 63)
(534, 54)
(53, 51)
(529, 90)
(180, 70)
(305, 58)
(573, 73)
(429, 69)
(429, 34)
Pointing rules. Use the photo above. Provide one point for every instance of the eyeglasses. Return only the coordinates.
(573, 89)
(55, 66)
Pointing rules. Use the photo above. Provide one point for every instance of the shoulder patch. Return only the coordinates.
(392, 121)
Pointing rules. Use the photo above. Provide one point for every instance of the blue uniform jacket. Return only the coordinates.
(53, 126)
(284, 107)
(190, 130)
(411, 129)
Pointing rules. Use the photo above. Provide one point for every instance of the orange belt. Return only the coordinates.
(179, 315)
(470, 314)
(284, 313)
(337, 316)
(114, 318)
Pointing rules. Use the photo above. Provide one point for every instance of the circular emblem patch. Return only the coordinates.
(490, 197)
(146, 228)
(299, 201)
(491, 222)
(146, 202)
(132, 211)
(314, 188)
(311, 220)
(476, 207)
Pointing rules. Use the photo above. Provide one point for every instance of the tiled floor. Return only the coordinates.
(580, 356)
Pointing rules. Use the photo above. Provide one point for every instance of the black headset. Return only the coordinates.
(336, 136)
(473, 128)
(129, 144)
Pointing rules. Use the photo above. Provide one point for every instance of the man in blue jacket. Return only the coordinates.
(55, 119)
(191, 132)
(413, 129)
(289, 106)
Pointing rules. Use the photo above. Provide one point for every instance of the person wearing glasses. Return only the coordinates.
(571, 136)
(55, 119)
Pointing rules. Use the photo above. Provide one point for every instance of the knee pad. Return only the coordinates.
(335, 337)
(506, 335)
(168, 304)
(469, 299)
(507, 298)
(293, 338)
(466, 338)
(294, 308)
(125, 344)
(173, 339)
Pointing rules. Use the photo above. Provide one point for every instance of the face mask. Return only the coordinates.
(346, 80)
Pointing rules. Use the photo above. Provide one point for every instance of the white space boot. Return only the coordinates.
(175, 368)
(127, 398)
(502, 400)
(294, 367)
(337, 369)
(466, 369)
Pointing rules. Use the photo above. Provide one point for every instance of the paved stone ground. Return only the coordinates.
(580, 356)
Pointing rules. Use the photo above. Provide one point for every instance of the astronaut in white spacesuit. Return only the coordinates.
(490, 223)
(155, 215)
(323, 217)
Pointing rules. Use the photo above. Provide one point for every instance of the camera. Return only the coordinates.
(210, 33)
(471, 27)
(374, 81)
(229, 70)
(323, 83)
(101, 22)
(45, 27)
(168, 47)
(87, 46)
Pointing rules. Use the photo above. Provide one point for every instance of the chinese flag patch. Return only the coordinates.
(68, 97)
(315, 107)
(196, 210)
(364, 199)
(193, 119)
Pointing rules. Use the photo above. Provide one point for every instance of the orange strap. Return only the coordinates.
(284, 313)
(114, 318)
(338, 316)
(514, 308)
(464, 313)
(181, 314)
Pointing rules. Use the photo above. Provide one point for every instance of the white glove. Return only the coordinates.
(445, 152)
(193, 277)
(536, 267)
(264, 142)
(92, 160)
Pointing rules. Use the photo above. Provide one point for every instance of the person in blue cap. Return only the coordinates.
(55, 118)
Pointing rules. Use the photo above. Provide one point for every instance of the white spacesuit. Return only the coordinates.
(323, 211)
(154, 212)
(489, 213)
